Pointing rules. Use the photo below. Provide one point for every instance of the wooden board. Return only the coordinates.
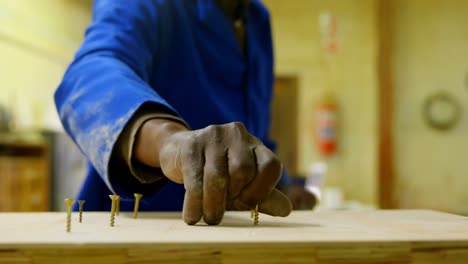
(411, 236)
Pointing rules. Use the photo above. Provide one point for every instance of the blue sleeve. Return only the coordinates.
(108, 80)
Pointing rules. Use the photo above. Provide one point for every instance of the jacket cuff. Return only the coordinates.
(143, 173)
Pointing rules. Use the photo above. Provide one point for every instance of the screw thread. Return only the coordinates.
(69, 203)
(135, 211)
(81, 204)
(68, 222)
(256, 215)
(137, 204)
(114, 199)
(112, 218)
(117, 206)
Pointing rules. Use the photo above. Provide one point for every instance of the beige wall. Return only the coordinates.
(353, 80)
(37, 41)
(430, 54)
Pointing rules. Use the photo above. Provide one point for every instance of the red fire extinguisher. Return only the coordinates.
(326, 125)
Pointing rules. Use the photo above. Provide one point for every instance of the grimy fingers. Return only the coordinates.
(267, 176)
(191, 164)
(242, 168)
(276, 204)
(215, 184)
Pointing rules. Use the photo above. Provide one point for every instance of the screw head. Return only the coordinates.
(114, 197)
(69, 202)
(81, 202)
(138, 196)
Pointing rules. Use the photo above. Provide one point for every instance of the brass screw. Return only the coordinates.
(117, 206)
(137, 204)
(114, 199)
(81, 203)
(256, 215)
(69, 203)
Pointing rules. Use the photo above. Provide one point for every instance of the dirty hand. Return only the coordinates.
(222, 167)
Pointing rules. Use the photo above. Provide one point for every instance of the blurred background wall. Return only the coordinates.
(350, 75)
(420, 44)
(39, 164)
(37, 41)
(430, 54)
(425, 52)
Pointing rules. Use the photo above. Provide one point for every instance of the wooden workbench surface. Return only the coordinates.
(312, 237)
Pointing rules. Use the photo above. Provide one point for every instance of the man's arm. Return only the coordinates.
(106, 87)
(107, 83)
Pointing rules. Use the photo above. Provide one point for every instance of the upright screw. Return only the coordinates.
(256, 215)
(80, 204)
(69, 203)
(137, 204)
(114, 199)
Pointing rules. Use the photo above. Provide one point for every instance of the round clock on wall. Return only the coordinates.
(441, 111)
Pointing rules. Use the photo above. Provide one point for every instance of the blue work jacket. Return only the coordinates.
(180, 55)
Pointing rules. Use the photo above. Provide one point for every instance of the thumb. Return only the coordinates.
(170, 163)
(276, 204)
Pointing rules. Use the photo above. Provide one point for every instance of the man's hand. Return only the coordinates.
(221, 166)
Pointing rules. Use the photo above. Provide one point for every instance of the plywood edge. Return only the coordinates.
(417, 245)
(208, 253)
